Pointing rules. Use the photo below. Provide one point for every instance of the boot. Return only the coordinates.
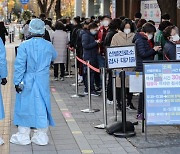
(22, 137)
(40, 136)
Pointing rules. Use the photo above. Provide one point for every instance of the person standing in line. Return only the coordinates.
(3, 75)
(60, 42)
(31, 80)
(144, 52)
(3, 32)
(124, 38)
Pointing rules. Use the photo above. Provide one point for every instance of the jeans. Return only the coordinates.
(101, 61)
(56, 70)
(86, 80)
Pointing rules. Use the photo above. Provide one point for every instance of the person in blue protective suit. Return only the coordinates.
(3, 75)
(31, 79)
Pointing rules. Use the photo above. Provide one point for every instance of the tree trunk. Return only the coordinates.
(170, 7)
(58, 9)
(45, 6)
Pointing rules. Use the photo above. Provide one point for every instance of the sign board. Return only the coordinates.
(162, 93)
(150, 10)
(121, 57)
(135, 84)
(177, 51)
(24, 1)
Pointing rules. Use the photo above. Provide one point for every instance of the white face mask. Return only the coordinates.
(175, 38)
(127, 30)
(150, 36)
(105, 23)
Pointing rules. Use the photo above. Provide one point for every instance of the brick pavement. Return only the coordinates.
(75, 133)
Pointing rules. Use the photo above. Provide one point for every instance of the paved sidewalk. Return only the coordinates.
(75, 133)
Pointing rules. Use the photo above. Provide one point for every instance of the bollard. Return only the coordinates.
(89, 110)
(103, 74)
(114, 95)
(77, 95)
(68, 66)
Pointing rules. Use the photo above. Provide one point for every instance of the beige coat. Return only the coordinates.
(60, 41)
(121, 39)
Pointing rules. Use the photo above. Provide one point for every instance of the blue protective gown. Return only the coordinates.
(32, 106)
(3, 73)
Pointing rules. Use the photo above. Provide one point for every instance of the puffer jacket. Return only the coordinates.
(169, 51)
(90, 47)
(143, 50)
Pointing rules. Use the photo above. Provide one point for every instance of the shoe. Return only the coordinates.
(1, 141)
(55, 79)
(40, 137)
(109, 102)
(62, 79)
(130, 107)
(99, 90)
(94, 93)
(85, 93)
(139, 117)
(80, 79)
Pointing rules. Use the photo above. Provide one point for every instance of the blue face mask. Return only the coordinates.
(93, 32)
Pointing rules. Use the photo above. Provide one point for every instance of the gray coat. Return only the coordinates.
(60, 41)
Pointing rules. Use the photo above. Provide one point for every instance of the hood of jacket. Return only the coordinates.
(140, 35)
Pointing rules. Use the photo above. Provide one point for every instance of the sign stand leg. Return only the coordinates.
(143, 112)
(124, 132)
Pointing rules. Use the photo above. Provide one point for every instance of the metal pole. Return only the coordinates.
(104, 96)
(114, 95)
(77, 95)
(123, 94)
(69, 62)
(89, 86)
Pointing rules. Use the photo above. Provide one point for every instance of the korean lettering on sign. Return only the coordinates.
(121, 57)
(162, 93)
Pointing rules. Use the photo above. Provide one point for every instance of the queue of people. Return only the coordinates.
(45, 45)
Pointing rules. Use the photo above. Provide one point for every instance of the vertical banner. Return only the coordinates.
(150, 10)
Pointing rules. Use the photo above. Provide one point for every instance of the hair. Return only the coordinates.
(141, 22)
(127, 21)
(164, 24)
(152, 22)
(138, 15)
(92, 26)
(167, 32)
(59, 25)
(33, 16)
(2, 25)
(106, 16)
(166, 16)
(100, 18)
(77, 19)
(122, 17)
(48, 22)
(28, 22)
(148, 28)
(42, 16)
(115, 24)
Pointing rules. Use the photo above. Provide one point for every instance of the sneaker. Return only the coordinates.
(94, 93)
(62, 79)
(55, 79)
(85, 93)
(109, 102)
(139, 116)
(99, 90)
(130, 107)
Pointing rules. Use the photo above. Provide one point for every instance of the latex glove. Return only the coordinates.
(4, 81)
(18, 89)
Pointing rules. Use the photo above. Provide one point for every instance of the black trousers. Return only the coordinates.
(140, 104)
(56, 70)
(128, 96)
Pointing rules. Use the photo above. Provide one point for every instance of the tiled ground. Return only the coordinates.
(75, 133)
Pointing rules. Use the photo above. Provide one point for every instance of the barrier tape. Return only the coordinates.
(89, 65)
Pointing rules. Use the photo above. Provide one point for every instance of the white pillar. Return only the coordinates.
(78, 8)
(89, 8)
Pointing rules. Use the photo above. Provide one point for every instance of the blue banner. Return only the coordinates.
(162, 93)
(24, 1)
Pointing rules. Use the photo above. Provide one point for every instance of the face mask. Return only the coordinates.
(127, 31)
(150, 36)
(175, 38)
(106, 23)
(93, 32)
